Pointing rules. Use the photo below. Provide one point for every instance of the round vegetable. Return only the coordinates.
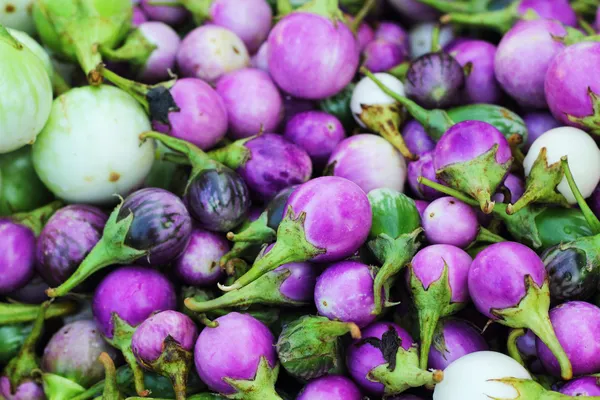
(330, 387)
(453, 339)
(17, 255)
(198, 265)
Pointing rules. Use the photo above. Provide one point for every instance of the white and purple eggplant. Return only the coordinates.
(198, 265)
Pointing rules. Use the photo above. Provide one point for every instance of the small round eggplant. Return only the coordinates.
(198, 265)
(171, 14)
(423, 167)
(453, 339)
(417, 140)
(17, 255)
(584, 386)
(332, 387)
(450, 221)
(381, 55)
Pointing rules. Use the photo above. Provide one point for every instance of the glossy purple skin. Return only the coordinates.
(428, 265)
(161, 224)
(163, 56)
(460, 338)
(414, 10)
(17, 255)
(252, 101)
(34, 292)
(497, 276)
(434, 80)
(138, 17)
(338, 215)
(421, 206)
(416, 139)
(423, 167)
(538, 123)
(300, 285)
(317, 132)
(577, 327)
(370, 161)
(450, 221)
(275, 163)
(526, 344)
(344, 292)
(364, 36)
(133, 293)
(66, 239)
(523, 57)
(25, 391)
(330, 387)
(559, 10)
(468, 140)
(584, 386)
(362, 358)
(73, 353)
(167, 14)
(199, 263)
(202, 118)
(319, 65)
(249, 19)
(569, 76)
(481, 85)
(149, 337)
(260, 60)
(392, 32)
(515, 186)
(381, 55)
(216, 358)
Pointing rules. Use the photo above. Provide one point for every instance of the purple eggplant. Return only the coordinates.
(323, 62)
(327, 219)
(332, 387)
(268, 163)
(364, 35)
(416, 138)
(524, 345)
(73, 353)
(453, 339)
(198, 265)
(437, 278)
(508, 283)
(577, 327)
(370, 161)
(344, 292)
(139, 17)
(210, 51)
(434, 80)
(523, 57)
(34, 292)
(381, 55)
(465, 151)
(66, 240)
(252, 100)
(421, 207)
(150, 225)
(392, 32)
(538, 123)
(163, 343)
(573, 97)
(125, 298)
(29, 390)
(169, 14)
(511, 191)
(317, 132)
(423, 167)
(248, 369)
(386, 362)
(583, 386)
(415, 10)
(481, 85)
(260, 60)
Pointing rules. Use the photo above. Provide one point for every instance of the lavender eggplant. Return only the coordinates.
(247, 370)
(369, 161)
(125, 298)
(453, 339)
(381, 55)
(423, 168)
(198, 265)
(66, 240)
(152, 224)
(386, 361)
(330, 387)
(518, 297)
(393, 238)
(319, 215)
(268, 163)
(171, 14)
(417, 140)
(240, 91)
(538, 123)
(163, 343)
(438, 277)
(583, 386)
(311, 346)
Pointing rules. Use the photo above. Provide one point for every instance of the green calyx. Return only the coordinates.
(401, 370)
(36, 219)
(541, 185)
(173, 363)
(7, 38)
(394, 213)
(529, 389)
(234, 155)
(200, 9)
(589, 215)
(262, 387)
(309, 347)
(394, 254)
(110, 249)
(432, 303)
(400, 70)
(291, 246)
(111, 389)
(122, 334)
(256, 232)
(58, 388)
(479, 177)
(326, 8)
(136, 50)
(532, 313)
(500, 20)
(591, 122)
(14, 313)
(512, 347)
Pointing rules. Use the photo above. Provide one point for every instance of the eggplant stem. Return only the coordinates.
(511, 345)
(589, 215)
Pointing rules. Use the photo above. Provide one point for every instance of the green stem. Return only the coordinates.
(360, 16)
(589, 215)
(87, 53)
(400, 70)
(428, 320)
(233, 155)
(257, 232)
(36, 219)
(500, 20)
(111, 390)
(13, 313)
(448, 6)
(136, 50)
(435, 39)
(284, 7)
(176, 159)
(485, 235)
(137, 90)
(511, 345)
(199, 160)
(586, 27)
(449, 191)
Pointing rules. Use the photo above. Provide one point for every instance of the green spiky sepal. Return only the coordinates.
(58, 388)
(262, 387)
(386, 121)
(528, 389)
(590, 123)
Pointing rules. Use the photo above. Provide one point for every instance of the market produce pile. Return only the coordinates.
(299, 199)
